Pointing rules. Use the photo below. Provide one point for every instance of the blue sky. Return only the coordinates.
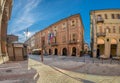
(38, 14)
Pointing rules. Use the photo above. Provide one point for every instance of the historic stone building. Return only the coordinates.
(65, 37)
(105, 32)
(5, 13)
(11, 38)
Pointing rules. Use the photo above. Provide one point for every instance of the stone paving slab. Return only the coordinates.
(16, 72)
(50, 74)
(97, 68)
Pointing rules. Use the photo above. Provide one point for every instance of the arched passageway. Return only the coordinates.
(73, 51)
(100, 47)
(55, 51)
(50, 51)
(64, 51)
(113, 49)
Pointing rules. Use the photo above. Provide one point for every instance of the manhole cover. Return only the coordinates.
(8, 70)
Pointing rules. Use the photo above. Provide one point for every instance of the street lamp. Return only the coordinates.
(27, 34)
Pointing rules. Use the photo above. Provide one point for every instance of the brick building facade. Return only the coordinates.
(65, 37)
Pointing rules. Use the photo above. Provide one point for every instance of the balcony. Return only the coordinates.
(72, 41)
(54, 44)
(100, 20)
(101, 34)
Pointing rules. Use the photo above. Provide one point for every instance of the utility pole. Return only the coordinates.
(26, 34)
(42, 53)
(43, 47)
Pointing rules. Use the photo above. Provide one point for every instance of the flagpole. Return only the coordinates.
(26, 33)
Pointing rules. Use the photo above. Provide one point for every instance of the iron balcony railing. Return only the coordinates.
(100, 20)
(72, 41)
(54, 44)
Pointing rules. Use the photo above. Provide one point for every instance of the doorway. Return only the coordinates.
(50, 51)
(56, 51)
(64, 51)
(73, 51)
(113, 51)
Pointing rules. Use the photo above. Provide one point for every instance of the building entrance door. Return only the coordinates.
(113, 50)
(100, 50)
(98, 53)
(50, 52)
(64, 52)
(56, 51)
(73, 51)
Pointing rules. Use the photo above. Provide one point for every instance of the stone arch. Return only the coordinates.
(100, 47)
(55, 51)
(113, 41)
(74, 51)
(113, 49)
(64, 51)
(100, 41)
(50, 51)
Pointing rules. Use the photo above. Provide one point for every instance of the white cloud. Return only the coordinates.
(23, 17)
(22, 36)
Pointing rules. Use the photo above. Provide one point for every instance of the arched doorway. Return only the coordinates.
(73, 51)
(64, 51)
(100, 47)
(55, 51)
(50, 51)
(113, 51)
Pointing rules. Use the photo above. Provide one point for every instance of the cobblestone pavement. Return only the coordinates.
(16, 72)
(82, 64)
(60, 69)
(51, 74)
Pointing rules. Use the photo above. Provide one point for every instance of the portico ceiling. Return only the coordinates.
(100, 41)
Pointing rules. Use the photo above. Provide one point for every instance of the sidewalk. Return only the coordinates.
(16, 72)
(53, 70)
(50, 74)
(77, 64)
